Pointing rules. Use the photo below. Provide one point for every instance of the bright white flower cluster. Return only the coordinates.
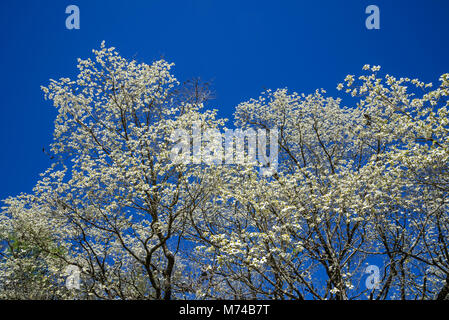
(351, 184)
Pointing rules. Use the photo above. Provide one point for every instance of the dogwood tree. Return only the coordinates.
(354, 186)
(114, 203)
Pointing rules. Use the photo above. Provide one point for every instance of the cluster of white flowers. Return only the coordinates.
(352, 183)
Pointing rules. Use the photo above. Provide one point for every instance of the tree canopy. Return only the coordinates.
(355, 186)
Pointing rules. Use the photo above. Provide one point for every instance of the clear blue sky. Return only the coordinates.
(243, 46)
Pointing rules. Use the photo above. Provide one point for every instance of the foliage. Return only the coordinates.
(359, 185)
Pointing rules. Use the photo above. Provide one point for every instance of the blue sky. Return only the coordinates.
(243, 46)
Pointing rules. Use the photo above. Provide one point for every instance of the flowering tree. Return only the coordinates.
(114, 203)
(354, 186)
